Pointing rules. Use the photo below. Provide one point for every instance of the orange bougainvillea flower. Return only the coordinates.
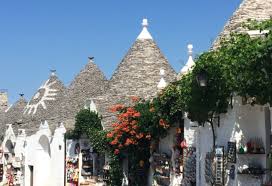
(125, 129)
(137, 114)
(116, 151)
(130, 110)
(135, 98)
(114, 142)
(135, 127)
(110, 135)
(139, 136)
(128, 142)
(117, 107)
(162, 122)
(132, 132)
(134, 122)
(114, 125)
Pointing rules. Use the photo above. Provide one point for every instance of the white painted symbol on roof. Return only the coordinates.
(45, 93)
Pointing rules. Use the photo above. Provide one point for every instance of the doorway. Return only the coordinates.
(31, 175)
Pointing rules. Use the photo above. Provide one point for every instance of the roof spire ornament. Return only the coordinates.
(162, 84)
(144, 34)
(93, 107)
(53, 72)
(91, 58)
(190, 63)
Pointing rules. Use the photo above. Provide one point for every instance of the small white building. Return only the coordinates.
(38, 159)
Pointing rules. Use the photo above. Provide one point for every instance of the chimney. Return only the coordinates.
(3, 100)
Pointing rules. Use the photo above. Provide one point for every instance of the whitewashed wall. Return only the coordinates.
(240, 124)
(58, 157)
(166, 146)
(46, 154)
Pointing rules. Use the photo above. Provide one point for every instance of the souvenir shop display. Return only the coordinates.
(232, 172)
(161, 165)
(87, 163)
(106, 172)
(219, 165)
(178, 167)
(209, 168)
(231, 152)
(1, 172)
(189, 161)
(10, 175)
(72, 171)
(253, 146)
(178, 152)
(253, 168)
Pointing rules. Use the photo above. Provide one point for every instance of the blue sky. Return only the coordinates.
(36, 36)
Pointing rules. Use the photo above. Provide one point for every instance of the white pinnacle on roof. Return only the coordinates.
(144, 34)
(162, 84)
(44, 125)
(93, 107)
(190, 63)
(53, 72)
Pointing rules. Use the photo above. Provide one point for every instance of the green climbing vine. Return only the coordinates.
(241, 66)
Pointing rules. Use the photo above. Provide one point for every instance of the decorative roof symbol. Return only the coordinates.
(53, 72)
(45, 93)
(162, 84)
(145, 34)
(93, 107)
(190, 63)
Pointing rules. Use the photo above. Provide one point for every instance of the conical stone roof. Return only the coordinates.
(249, 9)
(45, 104)
(89, 83)
(14, 115)
(138, 74)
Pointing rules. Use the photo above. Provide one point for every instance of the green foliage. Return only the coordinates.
(116, 172)
(85, 120)
(241, 66)
(151, 113)
(89, 124)
(258, 25)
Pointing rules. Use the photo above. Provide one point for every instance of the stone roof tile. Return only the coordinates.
(44, 105)
(249, 9)
(89, 83)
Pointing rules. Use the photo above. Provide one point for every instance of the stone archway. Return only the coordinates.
(9, 147)
(44, 143)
